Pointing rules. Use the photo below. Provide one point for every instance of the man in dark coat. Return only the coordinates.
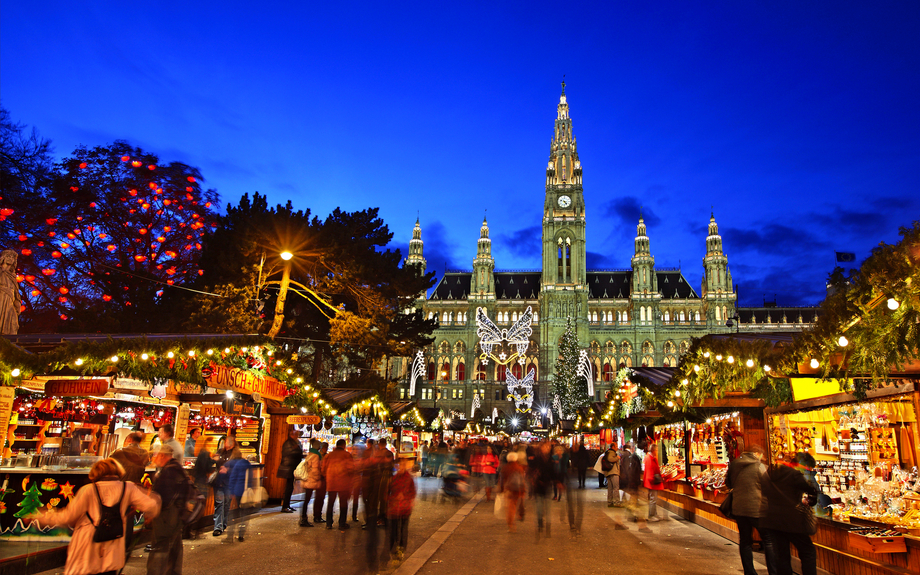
(291, 456)
(171, 484)
(743, 478)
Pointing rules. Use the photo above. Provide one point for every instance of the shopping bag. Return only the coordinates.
(499, 501)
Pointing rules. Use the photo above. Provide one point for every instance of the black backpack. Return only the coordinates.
(111, 524)
(194, 501)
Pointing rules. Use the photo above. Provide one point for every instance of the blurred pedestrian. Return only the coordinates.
(544, 476)
(171, 484)
(165, 433)
(513, 486)
(84, 512)
(319, 498)
(221, 485)
(291, 456)
(744, 478)
(338, 469)
(193, 436)
(580, 461)
(239, 479)
(311, 484)
(610, 463)
(204, 465)
(652, 481)
(400, 500)
(783, 487)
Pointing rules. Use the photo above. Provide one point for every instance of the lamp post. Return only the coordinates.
(282, 294)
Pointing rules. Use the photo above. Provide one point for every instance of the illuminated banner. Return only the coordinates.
(181, 428)
(304, 419)
(217, 410)
(246, 382)
(7, 395)
(76, 387)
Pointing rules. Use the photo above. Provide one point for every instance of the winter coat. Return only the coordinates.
(314, 478)
(204, 465)
(178, 452)
(237, 476)
(401, 496)
(221, 458)
(83, 555)
(134, 459)
(744, 479)
(651, 469)
(632, 472)
(612, 463)
(580, 458)
(509, 470)
(291, 456)
(782, 488)
(338, 469)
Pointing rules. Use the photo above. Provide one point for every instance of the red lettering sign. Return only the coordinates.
(223, 377)
(76, 387)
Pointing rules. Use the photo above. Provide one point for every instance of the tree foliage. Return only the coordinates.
(113, 228)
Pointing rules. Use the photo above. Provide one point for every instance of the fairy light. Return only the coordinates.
(719, 357)
(226, 350)
(210, 352)
(749, 363)
(15, 372)
(814, 363)
(706, 354)
(843, 341)
(766, 368)
(191, 353)
(79, 361)
(144, 356)
(696, 368)
(114, 359)
(893, 304)
(170, 355)
(731, 359)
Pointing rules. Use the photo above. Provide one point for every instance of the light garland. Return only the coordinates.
(521, 399)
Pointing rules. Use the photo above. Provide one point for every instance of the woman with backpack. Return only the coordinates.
(97, 513)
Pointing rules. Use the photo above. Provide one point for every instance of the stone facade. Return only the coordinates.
(641, 316)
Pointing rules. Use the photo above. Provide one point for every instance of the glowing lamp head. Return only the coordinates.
(696, 368)
(814, 363)
(79, 361)
(842, 341)
(731, 359)
(303, 410)
(514, 421)
(749, 363)
(15, 372)
(670, 404)
(893, 304)
(229, 393)
(170, 355)
(113, 359)
(766, 368)
(286, 255)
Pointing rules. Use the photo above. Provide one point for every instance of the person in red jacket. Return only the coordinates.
(400, 500)
(651, 481)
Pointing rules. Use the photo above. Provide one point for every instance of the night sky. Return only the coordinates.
(797, 123)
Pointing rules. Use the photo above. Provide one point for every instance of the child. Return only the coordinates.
(400, 499)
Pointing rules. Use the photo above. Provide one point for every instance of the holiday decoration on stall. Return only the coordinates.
(31, 501)
(491, 337)
(568, 385)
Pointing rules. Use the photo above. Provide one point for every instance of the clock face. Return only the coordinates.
(565, 201)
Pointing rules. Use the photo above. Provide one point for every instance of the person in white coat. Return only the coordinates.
(84, 556)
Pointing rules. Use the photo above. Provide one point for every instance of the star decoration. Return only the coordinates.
(67, 490)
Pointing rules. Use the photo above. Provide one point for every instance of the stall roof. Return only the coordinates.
(397, 408)
(657, 376)
(345, 396)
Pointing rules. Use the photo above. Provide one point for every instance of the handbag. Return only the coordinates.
(301, 472)
(253, 496)
(212, 478)
(656, 479)
(725, 508)
(806, 513)
(499, 501)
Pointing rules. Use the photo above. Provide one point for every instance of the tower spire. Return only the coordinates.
(483, 283)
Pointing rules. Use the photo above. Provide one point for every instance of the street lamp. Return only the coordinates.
(282, 294)
(736, 323)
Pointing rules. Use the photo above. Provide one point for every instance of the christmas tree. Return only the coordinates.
(571, 389)
(30, 502)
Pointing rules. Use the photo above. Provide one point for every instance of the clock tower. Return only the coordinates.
(564, 290)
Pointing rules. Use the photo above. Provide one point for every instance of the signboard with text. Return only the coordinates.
(181, 430)
(76, 387)
(246, 382)
(303, 419)
(7, 395)
(218, 410)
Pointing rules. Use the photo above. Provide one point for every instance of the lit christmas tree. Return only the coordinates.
(568, 385)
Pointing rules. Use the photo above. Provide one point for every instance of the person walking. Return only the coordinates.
(743, 478)
(631, 471)
(610, 463)
(132, 457)
(239, 478)
(204, 465)
(580, 461)
(652, 481)
(400, 500)
(171, 484)
(513, 486)
(84, 555)
(319, 497)
(221, 484)
(488, 463)
(387, 467)
(311, 484)
(544, 477)
(291, 456)
(782, 488)
(338, 469)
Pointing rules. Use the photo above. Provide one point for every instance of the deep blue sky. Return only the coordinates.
(797, 122)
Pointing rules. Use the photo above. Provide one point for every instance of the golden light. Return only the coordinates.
(731, 359)
(766, 368)
(145, 357)
(170, 355)
(226, 350)
(286, 255)
(893, 304)
(15, 372)
(670, 404)
(684, 382)
(696, 368)
(749, 363)
(303, 410)
(79, 361)
(843, 341)
(677, 393)
(719, 357)
(814, 363)
(191, 353)
(113, 359)
(706, 354)
(210, 352)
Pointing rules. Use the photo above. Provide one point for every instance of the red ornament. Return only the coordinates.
(167, 228)
(132, 192)
(191, 178)
(151, 167)
(140, 258)
(22, 238)
(48, 272)
(136, 163)
(103, 236)
(26, 252)
(125, 158)
(82, 165)
(64, 245)
(20, 278)
(51, 221)
(63, 290)
(153, 185)
(142, 231)
(6, 212)
(63, 317)
(92, 204)
(56, 254)
(30, 279)
(74, 188)
(107, 297)
(35, 293)
(110, 247)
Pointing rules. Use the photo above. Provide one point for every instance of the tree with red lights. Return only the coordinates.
(114, 229)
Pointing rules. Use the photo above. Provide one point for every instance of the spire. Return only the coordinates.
(713, 240)
(564, 166)
(484, 247)
(416, 248)
(717, 279)
(642, 242)
(483, 281)
(645, 281)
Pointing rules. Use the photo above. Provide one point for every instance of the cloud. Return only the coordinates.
(626, 210)
(772, 239)
(522, 243)
(596, 261)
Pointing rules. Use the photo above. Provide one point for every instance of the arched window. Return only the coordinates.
(536, 317)
(444, 317)
(481, 373)
(594, 371)
(684, 346)
(648, 361)
(625, 316)
(610, 347)
(514, 316)
(461, 371)
(445, 371)
(667, 316)
(697, 316)
(432, 371)
(608, 372)
(518, 370)
(682, 318)
(500, 371)
(718, 313)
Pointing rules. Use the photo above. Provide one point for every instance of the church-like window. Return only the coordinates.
(625, 316)
(432, 371)
(608, 372)
(642, 314)
(697, 316)
(718, 313)
(667, 316)
(445, 372)
(518, 370)
(461, 371)
(501, 372)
